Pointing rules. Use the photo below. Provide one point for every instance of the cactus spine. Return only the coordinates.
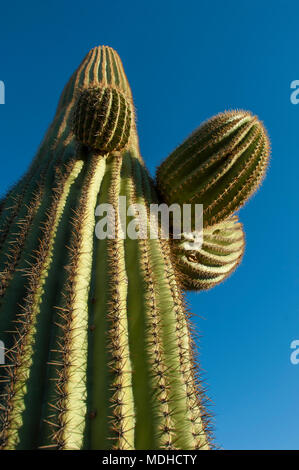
(99, 349)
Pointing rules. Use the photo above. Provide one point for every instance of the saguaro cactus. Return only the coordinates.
(99, 350)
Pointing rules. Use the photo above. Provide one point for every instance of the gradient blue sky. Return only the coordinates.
(187, 60)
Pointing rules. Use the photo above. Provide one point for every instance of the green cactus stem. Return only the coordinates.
(220, 165)
(99, 350)
(219, 255)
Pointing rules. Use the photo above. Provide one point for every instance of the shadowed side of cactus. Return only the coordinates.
(99, 353)
(220, 165)
(220, 254)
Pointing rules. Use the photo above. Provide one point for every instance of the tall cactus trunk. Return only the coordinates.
(99, 346)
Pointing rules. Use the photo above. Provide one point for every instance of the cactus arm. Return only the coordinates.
(204, 150)
(221, 252)
(220, 165)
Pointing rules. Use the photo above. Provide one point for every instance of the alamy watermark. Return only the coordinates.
(153, 221)
(2, 353)
(2, 92)
(294, 97)
(294, 357)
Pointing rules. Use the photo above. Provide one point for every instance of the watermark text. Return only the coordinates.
(294, 97)
(2, 92)
(138, 221)
(294, 358)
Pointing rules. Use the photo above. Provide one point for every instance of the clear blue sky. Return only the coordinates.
(187, 60)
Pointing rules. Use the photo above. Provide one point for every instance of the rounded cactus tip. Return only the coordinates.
(102, 119)
(219, 255)
(220, 165)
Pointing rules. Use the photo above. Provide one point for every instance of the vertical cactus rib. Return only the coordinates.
(101, 389)
(21, 353)
(112, 399)
(52, 304)
(199, 416)
(115, 72)
(189, 431)
(123, 416)
(194, 414)
(150, 384)
(71, 381)
(111, 73)
(108, 72)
